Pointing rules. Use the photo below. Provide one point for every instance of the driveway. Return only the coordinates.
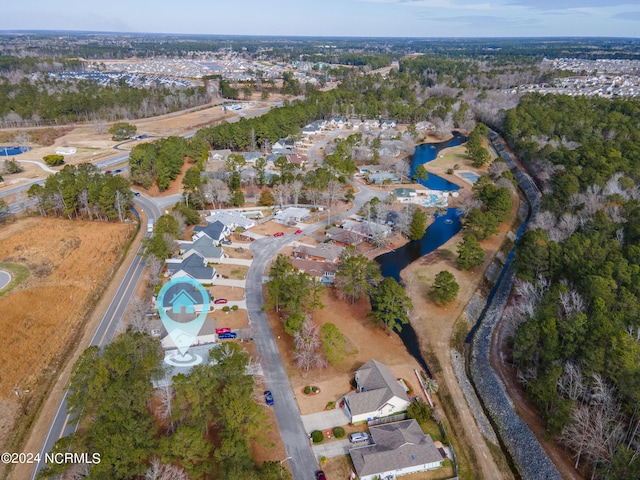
(325, 420)
(337, 448)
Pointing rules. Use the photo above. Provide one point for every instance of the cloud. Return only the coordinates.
(450, 4)
(632, 16)
(567, 4)
(476, 20)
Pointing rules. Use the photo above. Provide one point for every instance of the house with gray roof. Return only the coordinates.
(378, 394)
(283, 144)
(216, 231)
(405, 195)
(291, 215)
(194, 266)
(398, 448)
(325, 252)
(251, 157)
(380, 178)
(204, 247)
(231, 219)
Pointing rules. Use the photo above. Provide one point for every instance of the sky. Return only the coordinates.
(371, 18)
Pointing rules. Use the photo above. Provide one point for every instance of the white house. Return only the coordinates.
(291, 215)
(231, 219)
(398, 448)
(366, 229)
(194, 266)
(378, 394)
(66, 150)
(405, 195)
(385, 124)
(216, 231)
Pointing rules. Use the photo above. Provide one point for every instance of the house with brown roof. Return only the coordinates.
(378, 394)
(398, 448)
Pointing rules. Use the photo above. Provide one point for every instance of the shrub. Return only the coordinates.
(338, 432)
(226, 308)
(419, 410)
(330, 406)
(53, 160)
(315, 389)
(317, 436)
(307, 390)
(450, 171)
(234, 307)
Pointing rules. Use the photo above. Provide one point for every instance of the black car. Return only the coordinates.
(268, 397)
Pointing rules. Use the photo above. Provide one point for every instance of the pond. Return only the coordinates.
(445, 226)
(428, 152)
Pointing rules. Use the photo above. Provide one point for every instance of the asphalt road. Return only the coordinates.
(60, 426)
(5, 278)
(303, 461)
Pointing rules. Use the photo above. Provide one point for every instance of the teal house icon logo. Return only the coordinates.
(183, 304)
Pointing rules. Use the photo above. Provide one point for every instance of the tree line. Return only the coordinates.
(83, 192)
(575, 308)
(45, 100)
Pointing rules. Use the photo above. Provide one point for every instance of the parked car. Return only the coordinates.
(220, 301)
(297, 232)
(118, 171)
(227, 336)
(108, 172)
(320, 475)
(268, 397)
(137, 194)
(223, 330)
(358, 437)
(225, 242)
(278, 234)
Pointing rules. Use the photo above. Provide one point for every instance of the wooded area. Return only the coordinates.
(575, 309)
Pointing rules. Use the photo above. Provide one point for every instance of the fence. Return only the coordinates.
(389, 419)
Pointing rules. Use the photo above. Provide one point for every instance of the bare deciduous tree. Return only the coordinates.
(296, 188)
(155, 265)
(135, 315)
(216, 191)
(159, 471)
(307, 347)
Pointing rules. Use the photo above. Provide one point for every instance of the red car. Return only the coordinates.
(223, 330)
(220, 301)
(297, 232)
(278, 234)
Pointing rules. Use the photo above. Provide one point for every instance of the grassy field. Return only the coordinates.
(61, 268)
(18, 275)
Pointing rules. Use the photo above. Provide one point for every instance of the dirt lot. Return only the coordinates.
(271, 227)
(68, 262)
(239, 252)
(366, 341)
(233, 272)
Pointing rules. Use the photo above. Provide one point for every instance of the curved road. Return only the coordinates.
(303, 462)
(60, 426)
(5, 278)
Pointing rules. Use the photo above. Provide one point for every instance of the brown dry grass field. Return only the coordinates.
(238, 252)
(70, 263)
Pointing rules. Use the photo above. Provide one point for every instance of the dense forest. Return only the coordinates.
(576, 303)
(200, 425)
(46, 101)
(83, 192)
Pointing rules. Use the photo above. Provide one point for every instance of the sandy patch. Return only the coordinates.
(225, 291)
